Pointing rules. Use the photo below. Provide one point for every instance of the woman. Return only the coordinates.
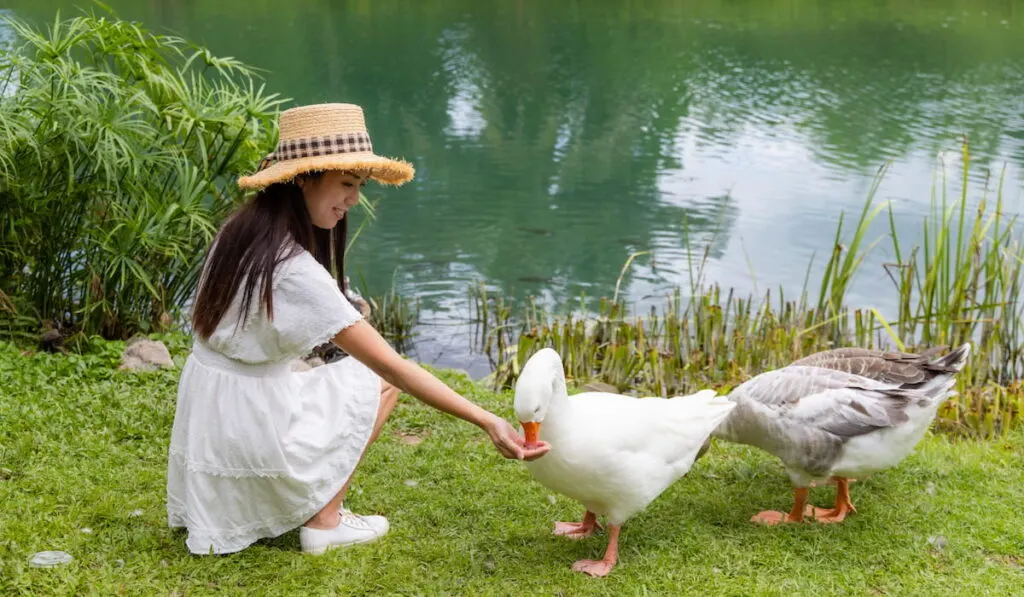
(257, 449)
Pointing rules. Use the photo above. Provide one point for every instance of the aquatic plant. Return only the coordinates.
(962, 282)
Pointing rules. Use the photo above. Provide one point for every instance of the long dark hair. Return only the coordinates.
(252, 243)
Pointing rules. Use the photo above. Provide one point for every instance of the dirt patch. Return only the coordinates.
(1008, 560)
(409, 439)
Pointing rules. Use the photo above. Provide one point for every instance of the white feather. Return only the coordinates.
(614, 454)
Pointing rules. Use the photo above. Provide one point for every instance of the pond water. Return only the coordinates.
(554, 139)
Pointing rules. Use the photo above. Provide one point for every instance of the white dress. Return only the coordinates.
(257, 449)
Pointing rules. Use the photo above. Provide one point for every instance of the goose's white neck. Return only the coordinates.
(558, 405)
(541, 396)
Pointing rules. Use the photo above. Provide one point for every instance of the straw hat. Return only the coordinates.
(325, 137)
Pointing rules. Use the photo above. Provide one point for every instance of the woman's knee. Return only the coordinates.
(388, 400)
(388, 397)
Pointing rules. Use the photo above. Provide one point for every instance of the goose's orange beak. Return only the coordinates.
(532, 431)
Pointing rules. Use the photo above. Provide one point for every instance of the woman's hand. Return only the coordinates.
(365, 344)
(508, 441)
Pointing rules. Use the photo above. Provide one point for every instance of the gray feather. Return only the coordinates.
(805, 412)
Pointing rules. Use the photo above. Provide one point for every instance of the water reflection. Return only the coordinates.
(9, 84)
(553, 140)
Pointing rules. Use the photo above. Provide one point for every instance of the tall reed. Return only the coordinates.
(395, 317)
(962, 282)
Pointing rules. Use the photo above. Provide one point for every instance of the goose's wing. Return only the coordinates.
(804, 415)
(907, 369)
(834, 401)
(652, 429)
(850, 412)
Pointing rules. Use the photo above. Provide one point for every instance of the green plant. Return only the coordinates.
(395, 317)
(118, 154)
(962, 283)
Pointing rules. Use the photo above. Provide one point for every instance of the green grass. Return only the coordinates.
(83, 446)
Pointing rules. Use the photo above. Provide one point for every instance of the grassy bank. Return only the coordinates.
(83, 446)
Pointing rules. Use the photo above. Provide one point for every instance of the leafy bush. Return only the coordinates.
(119, 151)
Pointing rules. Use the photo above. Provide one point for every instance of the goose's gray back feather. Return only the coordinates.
(906, 369)
(805, 412)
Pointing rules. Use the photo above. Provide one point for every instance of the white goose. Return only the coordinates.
(614, 454)
(840, 413)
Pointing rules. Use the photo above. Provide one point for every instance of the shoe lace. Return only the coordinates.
(353, 520)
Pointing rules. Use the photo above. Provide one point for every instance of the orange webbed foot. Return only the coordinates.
(573, 530)
(578, 530)
(773, 517)
(611, 555)
(596, 568)
(826, 515)
(843, 505)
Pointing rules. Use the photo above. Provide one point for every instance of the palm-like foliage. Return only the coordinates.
(119, 151)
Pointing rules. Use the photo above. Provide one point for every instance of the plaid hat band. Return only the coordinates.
(320, 138)
(307, 147)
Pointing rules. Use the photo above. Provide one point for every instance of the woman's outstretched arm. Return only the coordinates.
(364, 343)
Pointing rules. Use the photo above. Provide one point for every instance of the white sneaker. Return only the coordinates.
(352, 529)
(376, 522)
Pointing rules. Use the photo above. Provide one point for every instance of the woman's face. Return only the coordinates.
(329, 196)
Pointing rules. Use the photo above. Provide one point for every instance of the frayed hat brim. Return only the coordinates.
(385, 170)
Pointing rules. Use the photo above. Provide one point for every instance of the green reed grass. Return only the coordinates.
(961, 283)
(395, 317)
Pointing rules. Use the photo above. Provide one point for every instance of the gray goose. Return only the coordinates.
(840, 413)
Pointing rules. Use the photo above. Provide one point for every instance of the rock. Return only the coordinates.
(143, 354)
(49, 559)
(51, 341)
(363, 307)
(938, 542)
(600, 386)
(411, 483)
(357, 300)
